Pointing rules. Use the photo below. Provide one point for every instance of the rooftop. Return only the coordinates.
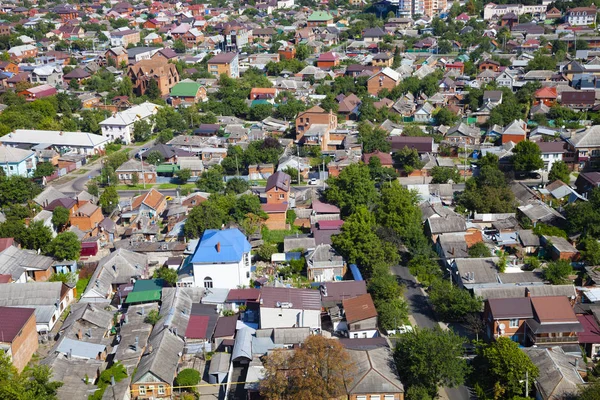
(220, 246)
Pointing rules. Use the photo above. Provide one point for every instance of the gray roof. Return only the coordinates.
(453, 245)
(324, 255)
(80, 349)
(134, 327)
(306, 299)
(219, 363)
(72, 373)
(90, 313)
(446, 225)
(243, 345)
(559, 376)
(483, 270)
(304, 242)
(521, 291)
(540, 212)
(161, 358)
(528, 238)
(559, 243)
(375, 372)
(15, 259)
(290, 335)
(176, 309)
(280, 180)
(30, 294)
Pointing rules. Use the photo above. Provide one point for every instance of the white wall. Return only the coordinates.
(113, 132)
(224, 276)
(289, 317)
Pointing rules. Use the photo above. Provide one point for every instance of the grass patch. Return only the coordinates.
(133, 187)
(81, 171)
(276, 236)
(81, 285)
(175, 186)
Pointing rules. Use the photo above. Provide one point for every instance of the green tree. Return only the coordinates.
(452, 303)
(430, 358)
(351, 189)
(445, 117)
(408, 160)
(92, 188)
(60, 217)
(211, 180)
(152, 90)
(188, 377)
(65, 246)
(380, 173)
(373, 138)
(557, 272)
(34, 383)
(559, 171)
(35, 237)
(479, 250)
(141, 130)
(260, 112)
(154, 158)
(43, 169)
(236, 186)
(590, 391)
(152, 318)
(183, 175)
(207, 215)
(427, 270)
(265, 251)
(17, 190)
(444, 174)
(179, 46)
(527, 156)
(165, 136)
(302, 52)
(418, 393)
(109, 200)
(167, 274)
(501, 366)
(590, 251)
(135, 179)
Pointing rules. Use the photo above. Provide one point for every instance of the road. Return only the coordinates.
(422, 313)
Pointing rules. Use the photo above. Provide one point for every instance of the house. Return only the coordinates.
(384, 158)
(324, 264)
(450, 224)
(25, 265)
(120, 125)
(506, 317)
(319, 18)
(561, 372)
(15, 161)
(554, 322)
(18, 334)
(373, 35)
(187, 93)
(551, 152)
(224, 63)
(489, 65)
(560, 248)
(22, 52)
(47, 74)
(289, 307)
(77, 75)
(582, 16)
(546, 95)
(578, 100)
(150, 204)
(515, 132)
(314, 125)
(421, 144)
(157, 69)
(387, 78)
(277, 194)
(463, 134)
(301, 164)
(146, 172)
(116, 56)
(87, 218)
(382, 60)
(328, 60)
(221, 259)
(375, 377)
(586, 182)
(361, 317)
(38, 92)
(48, 299)
(124, 37)
(492, 98)
(424, 114)
(585, 145)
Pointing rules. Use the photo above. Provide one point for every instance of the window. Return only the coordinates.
(514, 323)
(375, 397)
(281, 196)
(361, 397)
(388, 397)
(356, 336)
(161, 389)
(208, 283)
(142, 390)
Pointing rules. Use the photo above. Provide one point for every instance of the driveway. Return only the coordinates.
(421, 313)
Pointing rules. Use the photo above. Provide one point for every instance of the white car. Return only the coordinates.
(401, 329)
(313, 181)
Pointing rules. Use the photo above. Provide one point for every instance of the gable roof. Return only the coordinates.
(279, 180)
(359, 308)
(163, 359)
(153, 198)
(375, 372)
(553, 309)
(519, 307)
(301, 299)
(220, 246)
(13, 320)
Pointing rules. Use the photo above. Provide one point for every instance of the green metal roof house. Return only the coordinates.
(319, 18)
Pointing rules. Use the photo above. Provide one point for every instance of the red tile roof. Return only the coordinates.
(243, 294)
(330, 225)
(12, 320)
(197, 327)
(359, 308)
(546, 93)
(591, 331)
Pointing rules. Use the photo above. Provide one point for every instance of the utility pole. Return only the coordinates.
(298, 162)
(527, 383)
(143, 175)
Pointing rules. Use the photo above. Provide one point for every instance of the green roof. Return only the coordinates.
(141, 285)
(167, 168)
(143, 297)
(262, 101)
(185, 89)
(320, 16)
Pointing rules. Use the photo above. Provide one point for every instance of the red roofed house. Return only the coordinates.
(18, 333)
(385, 158)
(263, 93)
(277, 192)
(361, 317)
(589, 339)
(328, 60)
(546, 95)
(240, 297)
(457, 66)
(197, 328)
(5, 243)
(38, 92)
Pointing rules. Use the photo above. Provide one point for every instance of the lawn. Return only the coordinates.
(276, 236)
(133, 187)
(81, 285)
(175, 186)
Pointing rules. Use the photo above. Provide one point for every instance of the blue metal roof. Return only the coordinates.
(355, 272)
(221, 246)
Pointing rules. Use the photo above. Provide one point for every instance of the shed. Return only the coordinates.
(219, 368)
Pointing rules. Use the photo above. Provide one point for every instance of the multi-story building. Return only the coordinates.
(47, 74)
(158, 69)
(19, 334)
(387, 78)
(313, 126)
(124, 37)
(492, 10)
(16, 161)
(224, 63)
(582, 16)
(120, 125)
(19, 53)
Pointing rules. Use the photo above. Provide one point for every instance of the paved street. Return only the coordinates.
(421, 312)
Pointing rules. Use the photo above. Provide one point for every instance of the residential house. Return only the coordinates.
(421, 144)
(124, 37)
(328, 60)
(361, 317)
(319, 18)
(546, 95)
(25, 265)
(77, 75)
(116, 56)
(120, 125)
(586, 182)
(585, 146)
(554, 322)
(159, 70)
(301, 164)
(38, 92)
(582, 16)
(22, 52)
(349, 105)
(506, 317)
(314, 125)
(515, 132)
(15, 161)
(221, 259)
(324, 264)
(489, 65)
(463, 134)
(47, 74)
(146, 172)
(150, 204)
(424, 114)
(277, 194)
(224, 63)
(551, 152)
(289, 307)
(560, 248)
(169, 154)
(78, 142)
(382, 60)
(578, 100)
(387, 78)
(561, 375)
(19, 335)
(376, 377)
(373, 35)
(87, 218)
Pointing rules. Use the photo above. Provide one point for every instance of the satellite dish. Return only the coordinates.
(502, 327)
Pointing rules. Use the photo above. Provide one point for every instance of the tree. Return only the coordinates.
(60, 217)
(430, 358)
(141, 130)
(501, 367)
(302, 52)
(164, 136)
(265, 251)
(179, 46)
(590, 251)
(590, 391)
(35, 237)
(34, 383)
(183, 175)
(352, 188)
(479, 250)
(373, 138)
(444, 175)
(260, 111)
(320, 369)
(427, 270)
(167, 274)
(92, 188)
(17, 190)
(152, 318)
(418, 393)
(152, 90)
(445, 117)
(557, 272)
(236, 186)
(208, 215)
(65, 246)
(211, 180)
(379, 173)
(43, 169)
(154, 158)
(188, 377)
(559, 171)
(392, 313)
(527, 156)
(408, 160)
(109, 200)
(452, 303)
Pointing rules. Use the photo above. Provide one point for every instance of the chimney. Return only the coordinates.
(79, 334)
(527, 292)
(218, 247)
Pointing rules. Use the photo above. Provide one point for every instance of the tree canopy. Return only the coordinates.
(559, 171)
(32, 384)
(65, 246)
(527, 156)
(351, 189)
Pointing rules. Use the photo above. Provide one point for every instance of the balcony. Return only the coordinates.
(551, 340)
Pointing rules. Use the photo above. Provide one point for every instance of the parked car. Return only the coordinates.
(401, 330)
(313, 181)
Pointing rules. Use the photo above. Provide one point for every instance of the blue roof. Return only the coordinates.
(355, 272)
(232, 245)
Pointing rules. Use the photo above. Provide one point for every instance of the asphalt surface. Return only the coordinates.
(420, 309)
